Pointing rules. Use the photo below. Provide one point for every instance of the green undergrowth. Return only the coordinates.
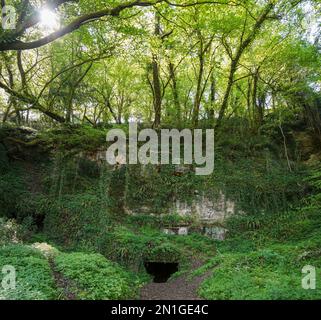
(79, 205)
(133, 246)
(270, 274)
(95, 278)
(88, 276)
(34, 279)
(72, 138)
(265, 261)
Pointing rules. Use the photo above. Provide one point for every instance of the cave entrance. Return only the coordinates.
(161, 271)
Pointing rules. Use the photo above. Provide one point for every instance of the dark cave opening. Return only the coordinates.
(161, 271)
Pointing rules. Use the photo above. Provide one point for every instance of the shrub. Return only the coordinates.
(12, 189)
(75, 218)
(262, 275)
(132, 248)
(165, 252)
(95, 277)
(34, 280)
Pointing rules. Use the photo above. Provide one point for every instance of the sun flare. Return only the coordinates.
(49, 19)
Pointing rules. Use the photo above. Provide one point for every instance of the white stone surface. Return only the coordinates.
(217, 233)
(206, 209)
(183, 231)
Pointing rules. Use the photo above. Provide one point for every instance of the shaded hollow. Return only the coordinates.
(161, 271)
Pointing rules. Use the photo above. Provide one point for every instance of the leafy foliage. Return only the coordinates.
(34, 278)
(265, 262)
(96, 278)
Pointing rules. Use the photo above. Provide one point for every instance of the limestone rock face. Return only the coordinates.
(214, 232)
(8, 231)
(181, 231)
(207, 210)
(20, 143)
(201, 207)
(217, 233)
(46, 249)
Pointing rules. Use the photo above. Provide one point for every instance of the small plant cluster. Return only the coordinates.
(96, 278)
(34, 277)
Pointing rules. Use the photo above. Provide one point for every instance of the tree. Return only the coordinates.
(185, 64)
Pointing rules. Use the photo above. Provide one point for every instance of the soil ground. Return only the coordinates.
(181, 288)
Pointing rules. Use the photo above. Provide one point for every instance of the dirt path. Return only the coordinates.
(62, 284)
(181, 288)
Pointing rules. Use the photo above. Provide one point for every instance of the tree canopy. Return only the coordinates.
(160, 62)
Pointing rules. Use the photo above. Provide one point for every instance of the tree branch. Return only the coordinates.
(82, 20)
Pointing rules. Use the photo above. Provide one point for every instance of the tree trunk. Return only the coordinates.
(235, 60)
(198, 94)
(156, 79)
(227, 93)
(210, 111)
(175, 92)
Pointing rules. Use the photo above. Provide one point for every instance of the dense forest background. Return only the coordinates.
(72, 70)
